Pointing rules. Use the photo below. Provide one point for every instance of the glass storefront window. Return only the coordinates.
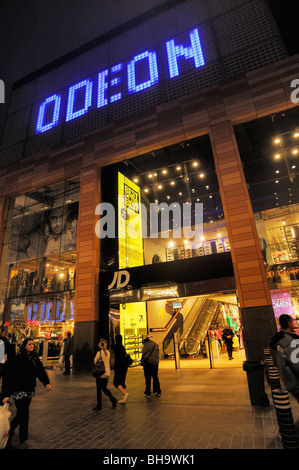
(38, 269)
(269, 150)
(178, 175)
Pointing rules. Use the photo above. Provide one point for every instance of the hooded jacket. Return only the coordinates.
(287, 358)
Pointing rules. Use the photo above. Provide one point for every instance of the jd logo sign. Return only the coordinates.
(2, 92)
(120, 280)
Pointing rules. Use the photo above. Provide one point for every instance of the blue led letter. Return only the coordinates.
(153, 71)
(40, 126)
(70, 113)
(116, 81)
(195, 52)
(102, 87)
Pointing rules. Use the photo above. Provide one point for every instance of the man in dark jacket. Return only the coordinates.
(285, 345)
(150, 362)
(227, 336)
(68, 352)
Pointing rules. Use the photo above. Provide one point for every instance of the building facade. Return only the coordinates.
(188, 104)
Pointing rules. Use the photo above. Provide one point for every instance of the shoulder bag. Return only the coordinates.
(144, 360)
(99, 368)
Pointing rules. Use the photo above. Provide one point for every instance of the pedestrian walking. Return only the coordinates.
(68, 349)
(9, 347)
(19, 380)
(150, 363)
(101, 382)
(120, 369)
(285, 346)
(227, 337)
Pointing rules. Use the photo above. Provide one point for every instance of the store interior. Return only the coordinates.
(186, 329)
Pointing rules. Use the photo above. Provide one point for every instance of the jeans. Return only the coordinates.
(22, 418)
(229, 348)
(151, 372)
(67, 364)
(102, 387)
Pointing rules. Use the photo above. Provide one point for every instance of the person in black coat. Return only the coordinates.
(120, 369)
(227, 336)
(19, 380)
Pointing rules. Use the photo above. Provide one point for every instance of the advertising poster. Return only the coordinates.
(130, 241)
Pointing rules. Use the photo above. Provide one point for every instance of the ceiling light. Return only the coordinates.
(164, 172)
(160, 186)
(277, 171)
(276, 181)
(135, 180)
(201, 175)
(180, 194)
(293, 167)
(295, 151)
(172, 183)
(277, 156)
(195, 163)
(296, 134)
(150, 175)
(178, 168)
(277, 140)
(146, 190)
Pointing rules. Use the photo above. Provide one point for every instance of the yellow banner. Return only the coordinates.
(130, 241)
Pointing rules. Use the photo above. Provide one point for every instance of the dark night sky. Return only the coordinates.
(36, 32)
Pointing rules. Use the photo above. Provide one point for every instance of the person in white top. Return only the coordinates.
(102, 382)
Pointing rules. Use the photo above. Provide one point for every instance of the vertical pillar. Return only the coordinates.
(4, 208)
(87, 271)
(256, 309)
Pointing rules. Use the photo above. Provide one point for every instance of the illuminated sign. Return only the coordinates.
(282, 302)
(114, 83)
(129, 224)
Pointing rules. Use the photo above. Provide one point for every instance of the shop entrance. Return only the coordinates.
(188, 330)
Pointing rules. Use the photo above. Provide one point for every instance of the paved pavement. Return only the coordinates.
(199, 409)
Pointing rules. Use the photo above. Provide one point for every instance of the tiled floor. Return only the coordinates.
(198, 409)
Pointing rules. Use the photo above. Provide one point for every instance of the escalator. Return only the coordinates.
(190, 343)
(181, 326)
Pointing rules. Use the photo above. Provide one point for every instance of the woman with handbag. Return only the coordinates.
(20, 382)
(103, 355)
(120, 368)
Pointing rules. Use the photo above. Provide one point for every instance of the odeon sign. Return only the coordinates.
(110, 82)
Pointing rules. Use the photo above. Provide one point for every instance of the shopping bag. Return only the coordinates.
(4, 425)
